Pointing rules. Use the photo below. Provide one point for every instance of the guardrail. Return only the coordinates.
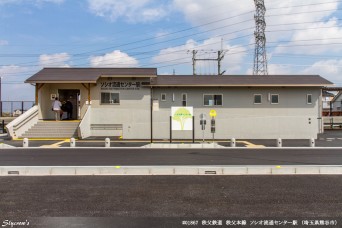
(332, 122)
(14, 108)
(2, 129)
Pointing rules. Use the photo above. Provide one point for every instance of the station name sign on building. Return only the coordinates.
(120, 85)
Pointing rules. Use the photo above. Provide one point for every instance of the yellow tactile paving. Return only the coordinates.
(251, 145)
(56, 145)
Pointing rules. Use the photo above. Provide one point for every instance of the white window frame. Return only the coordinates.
(274, 95)
(186, 99)
(307, 98)
(211, 94)
(260, 99)
(110, 103)
(161, 97)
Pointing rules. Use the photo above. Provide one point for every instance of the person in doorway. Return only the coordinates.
(57, 108)
(68, 108)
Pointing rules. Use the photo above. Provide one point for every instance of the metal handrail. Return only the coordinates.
(12, 106)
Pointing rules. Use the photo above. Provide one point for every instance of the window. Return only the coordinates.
(309, 98)
(257, 98)
(110, 98)
(184, 99)
(212, 99)
(163, 97)
(274, 98)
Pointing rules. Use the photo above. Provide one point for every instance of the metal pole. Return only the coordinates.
(22, 107)
(170, 129)
(193, 129)
(3, 126)
(151, 115)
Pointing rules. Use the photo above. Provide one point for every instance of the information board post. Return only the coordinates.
(170, 129)
(203, 122)
(193, 129)
(213, 125)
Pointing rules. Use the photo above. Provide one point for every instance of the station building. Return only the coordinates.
(136, 103)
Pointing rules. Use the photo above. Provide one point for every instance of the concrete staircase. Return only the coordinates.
(52, 129)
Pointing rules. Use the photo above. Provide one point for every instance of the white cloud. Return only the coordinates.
(330, 69)
(240, 21)
(130, 10)
(314, 41)
(54, 60)
(297, 13)
(207, 49)
(202, 12)
(114, 59)
(3, 42)
(13, 86)
(11, 69)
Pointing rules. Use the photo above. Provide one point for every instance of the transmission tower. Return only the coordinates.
(260, 60)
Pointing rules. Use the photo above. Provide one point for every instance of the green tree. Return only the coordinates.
(181, 115)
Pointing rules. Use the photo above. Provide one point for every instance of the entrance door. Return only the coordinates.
(71, 95)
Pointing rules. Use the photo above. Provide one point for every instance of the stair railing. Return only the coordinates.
(83, 129)
(21, 124)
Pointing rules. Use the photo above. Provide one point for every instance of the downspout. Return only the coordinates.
(320, 113)
(151, 92)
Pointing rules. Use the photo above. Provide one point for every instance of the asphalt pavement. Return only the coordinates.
(330, 138)
(168, 201)
(170, 157)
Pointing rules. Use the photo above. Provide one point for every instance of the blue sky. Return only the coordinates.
(303, 37)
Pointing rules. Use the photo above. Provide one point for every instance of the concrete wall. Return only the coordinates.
(239, 117)
(133, 112)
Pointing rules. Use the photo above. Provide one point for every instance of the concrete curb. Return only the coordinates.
(2, 145)
(203, 148)
(167, 170)
(182, 145)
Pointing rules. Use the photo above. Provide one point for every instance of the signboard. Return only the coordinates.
(212, 113)
(120, 85)
(182, 118)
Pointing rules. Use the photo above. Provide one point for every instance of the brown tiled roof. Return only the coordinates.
(239, 80)
(87, 75)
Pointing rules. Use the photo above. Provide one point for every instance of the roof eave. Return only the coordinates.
(59, 82)
(244, 85)
(128, 76)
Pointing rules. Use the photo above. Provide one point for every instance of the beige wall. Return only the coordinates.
(239, 117)
(133, 112)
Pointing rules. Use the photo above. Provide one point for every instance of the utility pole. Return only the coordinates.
(260, 60)
(220, 56)
(194, 52)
